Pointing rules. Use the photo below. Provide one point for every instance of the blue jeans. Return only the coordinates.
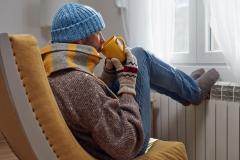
(156, 74)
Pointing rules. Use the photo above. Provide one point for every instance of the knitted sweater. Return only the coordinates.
(105, 126)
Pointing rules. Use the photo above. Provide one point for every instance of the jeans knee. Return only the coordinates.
(140, 53)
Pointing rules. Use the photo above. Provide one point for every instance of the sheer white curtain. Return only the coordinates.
(225, 23)
(150, 24)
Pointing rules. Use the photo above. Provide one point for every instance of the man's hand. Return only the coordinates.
(109, 72)
(126, 73)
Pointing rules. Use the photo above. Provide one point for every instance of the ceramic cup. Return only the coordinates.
(114, 47)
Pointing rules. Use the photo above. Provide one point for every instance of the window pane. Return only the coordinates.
(182, 26)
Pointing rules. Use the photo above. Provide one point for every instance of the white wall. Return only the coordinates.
(110, 13)
(23, 16)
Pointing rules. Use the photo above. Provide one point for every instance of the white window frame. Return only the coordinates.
(198, 40)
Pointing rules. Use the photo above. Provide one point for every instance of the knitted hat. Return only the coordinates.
(74, 21)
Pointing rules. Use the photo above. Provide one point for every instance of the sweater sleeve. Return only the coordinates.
(115, 124)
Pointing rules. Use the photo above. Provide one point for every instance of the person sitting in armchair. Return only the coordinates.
(110, 115)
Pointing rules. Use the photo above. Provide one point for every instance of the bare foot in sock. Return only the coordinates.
(197, 73)
(206, 81)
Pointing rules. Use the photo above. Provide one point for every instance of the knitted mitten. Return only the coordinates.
(126, 73)
(109, 73)
(197, 73)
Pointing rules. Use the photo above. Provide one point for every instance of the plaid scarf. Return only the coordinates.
(58, 56)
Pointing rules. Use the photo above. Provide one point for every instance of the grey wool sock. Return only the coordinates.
(206, 81)
(197, 73)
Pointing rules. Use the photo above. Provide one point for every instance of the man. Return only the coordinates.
(110, 123)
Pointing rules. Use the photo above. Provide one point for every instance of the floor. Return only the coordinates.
(5, 151)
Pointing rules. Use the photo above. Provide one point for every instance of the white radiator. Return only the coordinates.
(209, 131)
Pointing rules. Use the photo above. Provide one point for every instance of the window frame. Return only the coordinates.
(198, 39)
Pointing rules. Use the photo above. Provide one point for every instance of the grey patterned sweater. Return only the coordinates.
(106, 127)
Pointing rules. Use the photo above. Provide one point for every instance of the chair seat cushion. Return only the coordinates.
(165, 150)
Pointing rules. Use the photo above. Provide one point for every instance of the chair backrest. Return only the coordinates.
(29, 116)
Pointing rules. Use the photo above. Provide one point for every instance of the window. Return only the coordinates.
(194, 41)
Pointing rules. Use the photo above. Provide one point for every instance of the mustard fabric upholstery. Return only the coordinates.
(165, 150)
(44, 106)
(30, 66)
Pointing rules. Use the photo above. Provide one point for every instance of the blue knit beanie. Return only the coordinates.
(74, 21)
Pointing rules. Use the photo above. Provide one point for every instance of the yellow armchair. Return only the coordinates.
(30, 120)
